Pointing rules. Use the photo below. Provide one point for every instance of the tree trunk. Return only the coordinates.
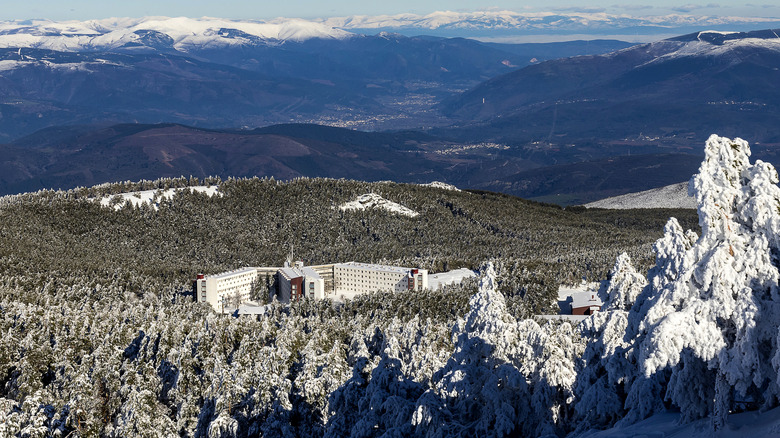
(722, 402)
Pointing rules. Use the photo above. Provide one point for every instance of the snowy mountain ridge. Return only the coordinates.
(183, 33)
(178, 33)
(704, 44)
(713, 43)
(496, 20)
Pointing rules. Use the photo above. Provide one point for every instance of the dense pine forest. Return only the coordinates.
(101, 336)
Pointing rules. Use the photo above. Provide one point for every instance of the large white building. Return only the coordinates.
(226, 290)
(229, 290)
(359, 278)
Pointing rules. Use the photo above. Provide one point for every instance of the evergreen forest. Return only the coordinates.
(102, 337)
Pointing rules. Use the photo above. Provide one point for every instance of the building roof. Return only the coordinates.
(373, 267)
(290, 273)
(232, 273)
(311, 273)
(585, 299)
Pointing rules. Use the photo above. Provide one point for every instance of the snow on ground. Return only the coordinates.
(250, 308)
(570, 318)
(437, 281)
(372, 200)
(673, 196)
(441, 185)
(152, 197)
(746, 424)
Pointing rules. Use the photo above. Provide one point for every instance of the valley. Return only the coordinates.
(405, 105)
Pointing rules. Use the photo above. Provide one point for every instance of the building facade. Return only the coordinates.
(227, 290)
(359, 278)
(299, 282)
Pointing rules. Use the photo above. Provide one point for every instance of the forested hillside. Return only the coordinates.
(101, 336)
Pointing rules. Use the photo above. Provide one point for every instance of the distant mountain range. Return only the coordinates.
(502, 22)
(74, 156)
(218, 73)
(162, 33)
(144, 99)
(185, 34)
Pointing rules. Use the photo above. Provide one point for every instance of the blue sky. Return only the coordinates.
(264, 9)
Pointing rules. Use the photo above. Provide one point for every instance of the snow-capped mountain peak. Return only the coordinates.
(180, 33)
(559, 21)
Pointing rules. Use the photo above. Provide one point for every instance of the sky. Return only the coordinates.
(265, 9)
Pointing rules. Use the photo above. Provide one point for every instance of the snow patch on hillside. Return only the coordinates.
(673, 196)
(441, 185)
(372, 200)
(152, 197)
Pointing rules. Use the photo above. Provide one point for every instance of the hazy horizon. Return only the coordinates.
(91, 9)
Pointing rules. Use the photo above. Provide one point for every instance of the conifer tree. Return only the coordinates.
(715, 325)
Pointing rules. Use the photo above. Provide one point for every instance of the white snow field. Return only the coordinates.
(742, 425)
(372, 200)
(152, 197)
(673, 196)
(437, 281)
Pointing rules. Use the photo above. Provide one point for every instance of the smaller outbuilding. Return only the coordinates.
(585, 303)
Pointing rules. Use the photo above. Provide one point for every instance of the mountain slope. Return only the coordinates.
(686, 87)
(68, 157)
(585, 181)
(42, 88)
(673, 196)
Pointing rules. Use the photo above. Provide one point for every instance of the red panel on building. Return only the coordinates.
(296, 291)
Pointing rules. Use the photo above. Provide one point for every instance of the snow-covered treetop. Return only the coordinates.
(624, 286)
(716, 297)
(487, 305)
(669, 250)
(718, 184)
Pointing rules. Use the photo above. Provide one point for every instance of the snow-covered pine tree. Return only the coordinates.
(646, 395)
(606, 366)
(624, 286)
(483, 394)
(715, 316)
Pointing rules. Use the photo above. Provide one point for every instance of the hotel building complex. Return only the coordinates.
(228, 290)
